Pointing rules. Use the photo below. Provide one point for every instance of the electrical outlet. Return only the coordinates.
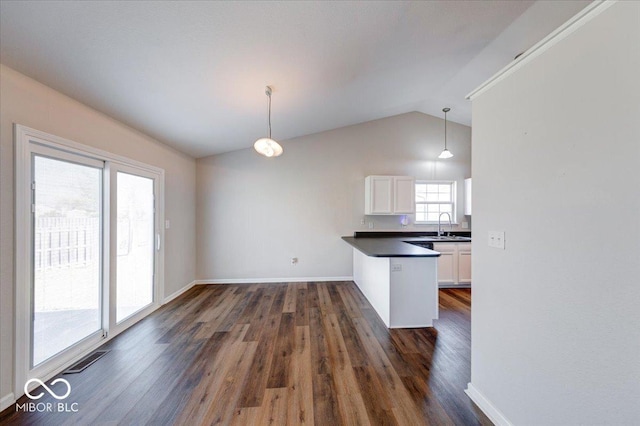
(496, 239)
(396, 267)
(370, 225)
(167, 224)
(465, 225)
(363, 221)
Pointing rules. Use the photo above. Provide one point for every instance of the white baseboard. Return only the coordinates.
(412, 325)
(487, 407)
(270, 280)
(6, 401)
(454, 285)
(172, 296)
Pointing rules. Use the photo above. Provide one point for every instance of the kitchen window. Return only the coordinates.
(434, 198)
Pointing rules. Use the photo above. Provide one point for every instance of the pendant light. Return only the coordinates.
(267, 146)
(445, 152)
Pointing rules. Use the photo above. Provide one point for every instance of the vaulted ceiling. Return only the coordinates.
(192, 73)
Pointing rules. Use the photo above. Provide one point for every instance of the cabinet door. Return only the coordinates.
(378, 192)
(447, 263)
(404, 195)
(467, 197)
(464, 267)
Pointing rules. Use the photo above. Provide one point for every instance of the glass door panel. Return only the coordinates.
(67, 255)
(135, 244)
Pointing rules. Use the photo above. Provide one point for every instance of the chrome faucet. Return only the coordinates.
(439, 226)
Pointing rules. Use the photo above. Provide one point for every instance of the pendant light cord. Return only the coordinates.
(445, 130)
(269, 115)
(265, 145)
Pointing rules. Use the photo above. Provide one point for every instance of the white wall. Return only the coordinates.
(25, 101)
(556, 162)
(255, 213)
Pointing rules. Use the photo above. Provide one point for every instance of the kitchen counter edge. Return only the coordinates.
(389, 247)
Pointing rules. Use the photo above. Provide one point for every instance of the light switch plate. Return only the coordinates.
(496, 239)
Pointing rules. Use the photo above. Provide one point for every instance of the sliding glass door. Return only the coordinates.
(67, 253)
(135, 246)
(89, 261)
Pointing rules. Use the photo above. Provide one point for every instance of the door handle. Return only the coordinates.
(158, 242)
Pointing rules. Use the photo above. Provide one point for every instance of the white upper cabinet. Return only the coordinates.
(389, 195)
(467, 197)
(404, 193)
(378, 193)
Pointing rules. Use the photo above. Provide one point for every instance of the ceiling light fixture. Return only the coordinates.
(267, 146)
(445, 152)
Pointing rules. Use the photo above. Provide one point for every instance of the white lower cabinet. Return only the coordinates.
(454, 264)
(464, 264)
(446, 263)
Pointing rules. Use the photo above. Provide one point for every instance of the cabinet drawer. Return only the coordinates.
(466, 247)
(445, 247)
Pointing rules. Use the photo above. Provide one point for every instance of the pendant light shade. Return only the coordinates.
(445, 152)
(267, 146)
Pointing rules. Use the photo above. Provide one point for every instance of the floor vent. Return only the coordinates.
(85, 362)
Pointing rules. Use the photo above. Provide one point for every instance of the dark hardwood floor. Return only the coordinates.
(279, 354)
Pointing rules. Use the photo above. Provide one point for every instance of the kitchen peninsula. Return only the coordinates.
(397, 277)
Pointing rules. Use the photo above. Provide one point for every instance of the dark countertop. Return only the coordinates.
(395, 245)
(402, 234)
(389, 247)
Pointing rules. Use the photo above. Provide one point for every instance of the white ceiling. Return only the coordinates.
(192, 74)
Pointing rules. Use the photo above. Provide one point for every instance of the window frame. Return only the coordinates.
(454, 200)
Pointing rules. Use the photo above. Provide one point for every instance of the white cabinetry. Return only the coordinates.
(377, 195)
(404, 193)
(389, 195)
(454, 264)
(447, 263)
(467, 197)
(402, 290)
(464, 263)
